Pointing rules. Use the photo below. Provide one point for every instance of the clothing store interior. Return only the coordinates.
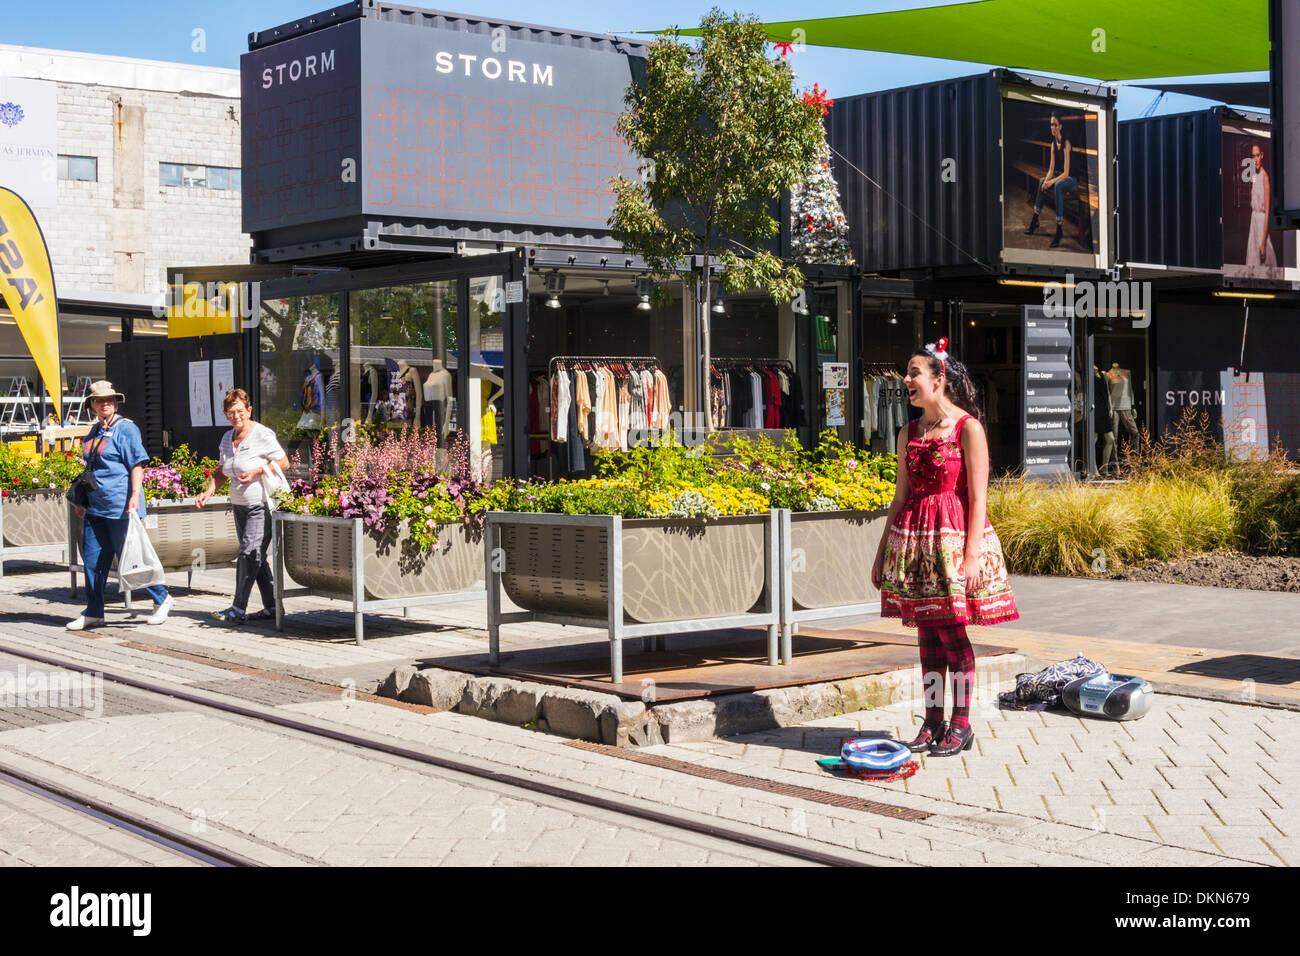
(1119, 390)
(988, 339)
(607, 367)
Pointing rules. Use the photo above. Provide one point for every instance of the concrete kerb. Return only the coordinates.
(608, 719)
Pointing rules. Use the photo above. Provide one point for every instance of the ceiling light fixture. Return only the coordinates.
(643, 289)
(554, 286)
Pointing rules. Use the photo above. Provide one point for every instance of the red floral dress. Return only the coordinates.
(920, 581)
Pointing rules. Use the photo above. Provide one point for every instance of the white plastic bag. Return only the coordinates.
(138, 565)
(273, 483)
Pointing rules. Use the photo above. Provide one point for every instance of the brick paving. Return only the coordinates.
(1195, 783)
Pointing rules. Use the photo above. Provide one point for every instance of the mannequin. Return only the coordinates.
(437, 389)
(487, 433)
(1120, 381)
(1103, 420)
(411, 388)
(369, 392)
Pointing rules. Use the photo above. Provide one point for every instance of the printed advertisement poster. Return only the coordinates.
(1050, 172)
(1250, 248)
(834, 401)
(835, 375)
(223, 379)
(29, 155)
(200, 395)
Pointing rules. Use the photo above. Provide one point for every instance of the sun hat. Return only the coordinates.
(875, 753)
(104, 389)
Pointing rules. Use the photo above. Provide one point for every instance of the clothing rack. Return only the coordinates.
(603, 360)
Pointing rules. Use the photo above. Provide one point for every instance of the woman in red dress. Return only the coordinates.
(930, 571)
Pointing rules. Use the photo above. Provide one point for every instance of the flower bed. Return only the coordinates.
(387, 531)
(33, 517)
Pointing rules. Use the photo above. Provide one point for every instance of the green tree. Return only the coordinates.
(722, 133)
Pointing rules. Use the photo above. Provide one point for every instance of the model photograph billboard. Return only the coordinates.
(1053, 194)
(1250, 249)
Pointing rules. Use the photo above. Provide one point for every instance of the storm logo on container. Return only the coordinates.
(76, 909)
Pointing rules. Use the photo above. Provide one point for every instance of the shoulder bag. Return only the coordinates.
(79, 491)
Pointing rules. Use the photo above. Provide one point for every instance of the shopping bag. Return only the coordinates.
(274, 484)
(138, 565)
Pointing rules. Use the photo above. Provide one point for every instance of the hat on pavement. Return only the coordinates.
(104, 389)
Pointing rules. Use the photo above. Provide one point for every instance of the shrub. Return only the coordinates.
(54, 471)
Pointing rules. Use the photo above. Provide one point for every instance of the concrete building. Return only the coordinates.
(138, 169)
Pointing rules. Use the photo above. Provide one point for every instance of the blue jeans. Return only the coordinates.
(101, 541)
(1063, 186)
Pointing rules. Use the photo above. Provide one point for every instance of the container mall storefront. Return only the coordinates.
(433, 192)
(472, 345)
(941, 188)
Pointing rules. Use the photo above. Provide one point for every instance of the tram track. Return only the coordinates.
(175, 841)
(790, 849)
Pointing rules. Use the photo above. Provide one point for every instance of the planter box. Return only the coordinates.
(830, 557)
(672, 568)
(339, 558)
(635, 577)
(33, 522)
(186, 537)
(826, 561)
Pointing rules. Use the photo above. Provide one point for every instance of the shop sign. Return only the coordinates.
(1049, 394)
(380, 118)
(29, 155)
(27, 289)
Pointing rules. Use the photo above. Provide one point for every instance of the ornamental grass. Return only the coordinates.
(1185, 496)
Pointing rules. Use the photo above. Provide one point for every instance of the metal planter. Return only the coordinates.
(826, 567)
(186, 537)
(830, 557)
(32, 522)
(672, 568)
(634, 577)
(339, 558)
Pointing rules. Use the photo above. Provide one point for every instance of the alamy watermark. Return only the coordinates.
(61, 690)
(1087, 298)
(195, 300)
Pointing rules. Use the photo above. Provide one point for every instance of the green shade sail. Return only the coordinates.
(1101, 39)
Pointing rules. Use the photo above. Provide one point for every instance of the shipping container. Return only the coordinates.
(941, 179)
(1194, 194)
(378, 127)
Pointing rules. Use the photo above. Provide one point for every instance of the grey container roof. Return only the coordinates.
(443, 20)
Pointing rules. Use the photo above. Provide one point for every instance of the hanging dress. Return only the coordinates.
(920, 580)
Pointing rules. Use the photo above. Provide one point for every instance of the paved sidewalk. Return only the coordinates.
(1196, 783)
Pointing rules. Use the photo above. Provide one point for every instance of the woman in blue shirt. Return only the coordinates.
(116, 453)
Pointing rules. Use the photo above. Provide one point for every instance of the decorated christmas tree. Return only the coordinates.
(818, 230)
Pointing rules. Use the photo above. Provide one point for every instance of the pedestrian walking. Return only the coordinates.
(931, 569)
(251, 461)
(115, 454)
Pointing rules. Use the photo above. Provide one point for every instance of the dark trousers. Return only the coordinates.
(101, 542)
(253, 525)
(1066, 185)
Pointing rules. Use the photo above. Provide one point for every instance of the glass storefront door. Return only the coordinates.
(401, 370)
(485, 409)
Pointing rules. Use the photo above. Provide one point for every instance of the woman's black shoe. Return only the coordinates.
(1033, 226)
(930, 733)
(266, 614)
(1056, 240)
(229, 616)
(954, 741)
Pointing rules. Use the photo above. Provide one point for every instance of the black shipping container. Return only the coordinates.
(1186, 192)
(922, 169)
(375, 127)
(154, 373)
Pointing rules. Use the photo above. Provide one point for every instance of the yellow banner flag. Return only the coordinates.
(27, 284)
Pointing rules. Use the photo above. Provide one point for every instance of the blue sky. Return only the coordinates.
(164, 30)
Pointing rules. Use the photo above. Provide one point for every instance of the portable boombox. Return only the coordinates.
(1108, 695)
